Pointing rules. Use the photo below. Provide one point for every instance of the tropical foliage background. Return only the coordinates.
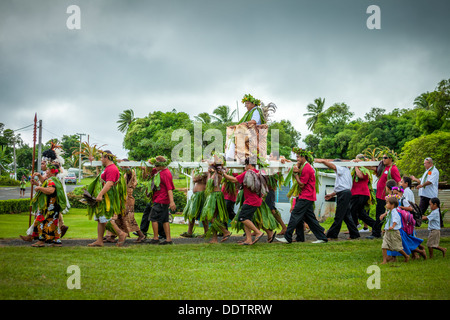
(413, 133)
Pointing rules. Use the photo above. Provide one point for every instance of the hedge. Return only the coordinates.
(6, 181)
(14, 206)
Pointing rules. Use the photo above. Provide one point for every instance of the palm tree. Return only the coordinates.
(223, 115)
(314, 109)
(203, 117)
(4, 158)
(125, 119)
(423, 101)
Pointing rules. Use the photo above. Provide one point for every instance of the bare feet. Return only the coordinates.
(39, 244)
(95, 244)
(28, 238)
(121, 240)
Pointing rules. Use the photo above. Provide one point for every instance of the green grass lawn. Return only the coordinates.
(335, 270)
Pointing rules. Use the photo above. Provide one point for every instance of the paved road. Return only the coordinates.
(7, 193)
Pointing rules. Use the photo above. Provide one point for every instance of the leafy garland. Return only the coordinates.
(248, 97)
(304, 153)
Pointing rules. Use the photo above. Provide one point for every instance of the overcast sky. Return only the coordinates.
(196, 55)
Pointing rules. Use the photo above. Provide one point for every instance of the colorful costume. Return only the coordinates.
(48, 209)
(113, 201)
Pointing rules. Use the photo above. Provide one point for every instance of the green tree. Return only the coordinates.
(314, 110)
(126, 118)
(436, 146)
(151, 136)
(203, 117)
(288, 137)
(223, 114)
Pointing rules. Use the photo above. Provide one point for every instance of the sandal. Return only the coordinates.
(272, 237)
(257, 238)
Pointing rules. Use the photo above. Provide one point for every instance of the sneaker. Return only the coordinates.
(364, 230)
(319, 241)
(283, 239)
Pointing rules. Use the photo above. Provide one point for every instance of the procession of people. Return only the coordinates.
(218, 190)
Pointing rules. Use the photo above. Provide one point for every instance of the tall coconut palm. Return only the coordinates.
(314, 109)
(5, 159)
(203, 117)
(423, 101)
(125, 119)
(223, 115)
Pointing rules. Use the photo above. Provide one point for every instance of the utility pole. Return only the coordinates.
(79, 159)
(39, 147)
(15, 160)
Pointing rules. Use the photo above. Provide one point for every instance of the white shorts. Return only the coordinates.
(102, 219)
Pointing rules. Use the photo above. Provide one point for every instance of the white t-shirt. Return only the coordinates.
(430, 191)
(409, 195)
(344, 179)
(394, 217)
(434, 221)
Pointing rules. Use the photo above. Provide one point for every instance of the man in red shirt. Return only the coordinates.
(252, 201)
(389, 171)
(304, 204)
(162, 199)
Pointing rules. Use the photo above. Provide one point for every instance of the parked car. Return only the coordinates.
(71, 178)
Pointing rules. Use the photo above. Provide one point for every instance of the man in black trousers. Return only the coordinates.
(342, 189)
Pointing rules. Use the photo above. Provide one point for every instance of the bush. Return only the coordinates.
(14, 206)
(436, 146)
(6, 181)
(74, 200)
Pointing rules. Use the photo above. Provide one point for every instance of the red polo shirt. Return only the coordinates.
(308, 177)
(381, 184)
(111, 173)
(162, 196)
(250, 198)
(361, 187)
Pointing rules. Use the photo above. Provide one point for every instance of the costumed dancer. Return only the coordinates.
(126, 221)
(252, 201)
(62, 177)
(160, 190)
(214, 213)
(230, 192)
(304, 189)
(106, 197)
(193, 209)
(48, 203)
(48, 157)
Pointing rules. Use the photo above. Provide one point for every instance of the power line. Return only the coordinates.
(24, 127)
